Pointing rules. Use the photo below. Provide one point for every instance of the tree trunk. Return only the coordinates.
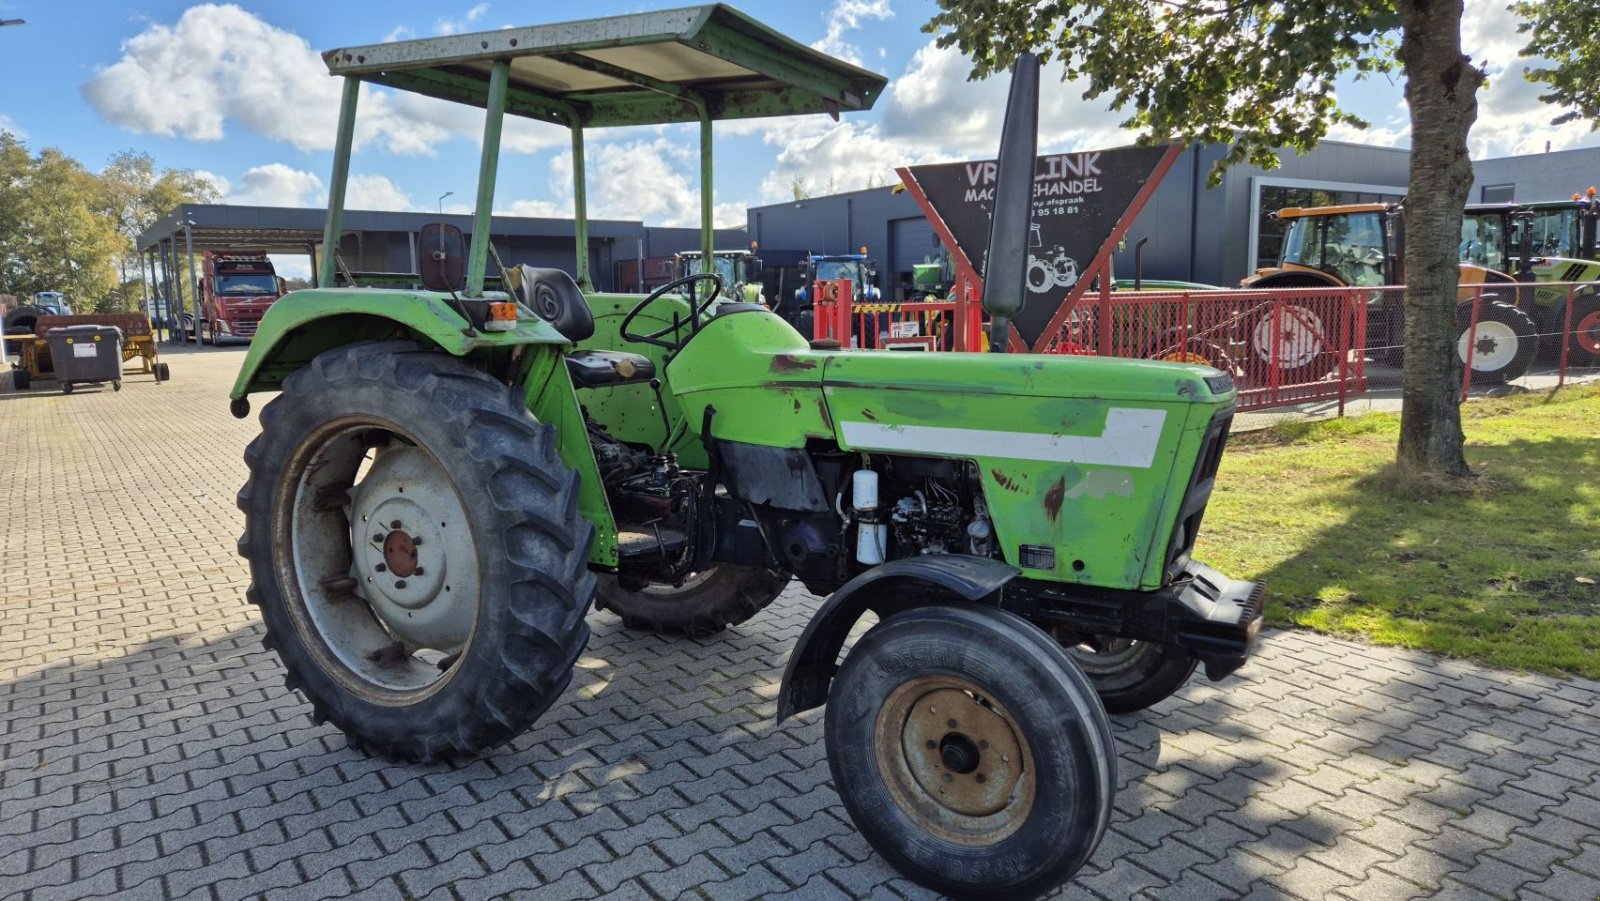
(1441, 89)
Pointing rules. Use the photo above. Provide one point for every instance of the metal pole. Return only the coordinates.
(483, 214)
(580, 207)
(334, 228)
(707, 236)
(194, 283)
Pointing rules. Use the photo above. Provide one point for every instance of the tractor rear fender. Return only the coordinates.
(303, 324)
(887, 589)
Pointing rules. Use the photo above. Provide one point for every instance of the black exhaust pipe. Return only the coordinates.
(1006, 262)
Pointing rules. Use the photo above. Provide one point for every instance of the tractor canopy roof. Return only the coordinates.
(678, 65)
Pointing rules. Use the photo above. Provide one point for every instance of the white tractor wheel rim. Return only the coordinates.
(414, 602)
(1299, 337)
(1494, 349)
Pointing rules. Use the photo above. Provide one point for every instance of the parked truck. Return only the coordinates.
(234, 292)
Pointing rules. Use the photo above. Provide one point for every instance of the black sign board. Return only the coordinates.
(1077, 200)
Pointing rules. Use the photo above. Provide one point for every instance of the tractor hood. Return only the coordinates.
(1032, 376)
(1055, 441)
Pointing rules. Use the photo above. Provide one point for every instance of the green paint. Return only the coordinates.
(334, 227)
(552, 400)
(302, 324)
(580, 209)
(483, 214)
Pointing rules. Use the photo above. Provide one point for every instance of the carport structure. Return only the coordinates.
(371, 241)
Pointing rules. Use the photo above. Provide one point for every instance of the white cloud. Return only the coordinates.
(221, 184)
(846, 16)
(220, 65)
(934, 103)
(276, 184)
(291, 265)
(9, 124)
(375, 192)
(456, 26)
(1511, 118)
(647, 180)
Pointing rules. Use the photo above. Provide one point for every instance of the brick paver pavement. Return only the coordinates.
(149, 748)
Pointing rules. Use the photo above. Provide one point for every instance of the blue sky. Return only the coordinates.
(237, 92)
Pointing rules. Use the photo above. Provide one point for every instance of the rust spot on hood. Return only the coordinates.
(1054, 497)
(797, 405)
(791, 363)
(1006, 481)
(870, 415)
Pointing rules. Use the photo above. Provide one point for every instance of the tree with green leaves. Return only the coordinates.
(64, 228)
(134, 194)
(1259, 76)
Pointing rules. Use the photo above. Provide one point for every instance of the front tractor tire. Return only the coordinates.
(416, 550)
(705, 604)
(1502, 346)
(971, 751)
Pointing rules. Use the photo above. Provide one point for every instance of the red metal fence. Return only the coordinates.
(1284, 346)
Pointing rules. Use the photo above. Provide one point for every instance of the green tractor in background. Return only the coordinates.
(740, 271)
(1546, 242)
(449, 478)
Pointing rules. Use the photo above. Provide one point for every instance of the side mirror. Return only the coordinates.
(442, 257)
(754, 268)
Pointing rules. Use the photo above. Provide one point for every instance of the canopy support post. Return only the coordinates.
(707, 235)
(488, 163)
(334, 227)
(580, 207)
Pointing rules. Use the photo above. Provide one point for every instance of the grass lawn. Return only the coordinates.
(1506, 571)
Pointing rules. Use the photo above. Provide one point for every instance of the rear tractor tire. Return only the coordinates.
(1130, 675)
(706, 603)
(1503, 346)
(971, 751)
(416, 550)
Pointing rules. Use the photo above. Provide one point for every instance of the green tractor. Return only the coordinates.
(740, 271)
(449, 478)
(1546, 242)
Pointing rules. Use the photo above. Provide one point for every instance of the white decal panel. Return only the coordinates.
(1130, 439)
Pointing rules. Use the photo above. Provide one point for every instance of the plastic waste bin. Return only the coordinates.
(86, 354)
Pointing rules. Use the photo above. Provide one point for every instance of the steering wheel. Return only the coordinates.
(694, 318)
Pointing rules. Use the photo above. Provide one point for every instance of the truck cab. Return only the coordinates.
(235, 291)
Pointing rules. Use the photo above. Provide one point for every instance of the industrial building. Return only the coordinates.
(1187, 230)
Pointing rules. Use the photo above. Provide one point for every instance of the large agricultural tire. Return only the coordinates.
(971, 751)
(705, 604)
(1303, 352)
(22, 320)
(415, 649)
(1506, 341)
(1585, 337)
(1132, 675)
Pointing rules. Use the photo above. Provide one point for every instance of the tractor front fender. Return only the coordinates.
(302, 324)
(885, 590)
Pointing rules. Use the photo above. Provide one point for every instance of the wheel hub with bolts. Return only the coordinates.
(1493, 345)
(954, 761)
(406, 529)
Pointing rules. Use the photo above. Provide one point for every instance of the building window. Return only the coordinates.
(1270, 234)
(1499, 193)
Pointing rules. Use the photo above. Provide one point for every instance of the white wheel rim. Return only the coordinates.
(1494, 349)
(1299, 337)
(394, 627)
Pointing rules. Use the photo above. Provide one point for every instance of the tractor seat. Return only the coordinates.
(608, 368)
(738, 306)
